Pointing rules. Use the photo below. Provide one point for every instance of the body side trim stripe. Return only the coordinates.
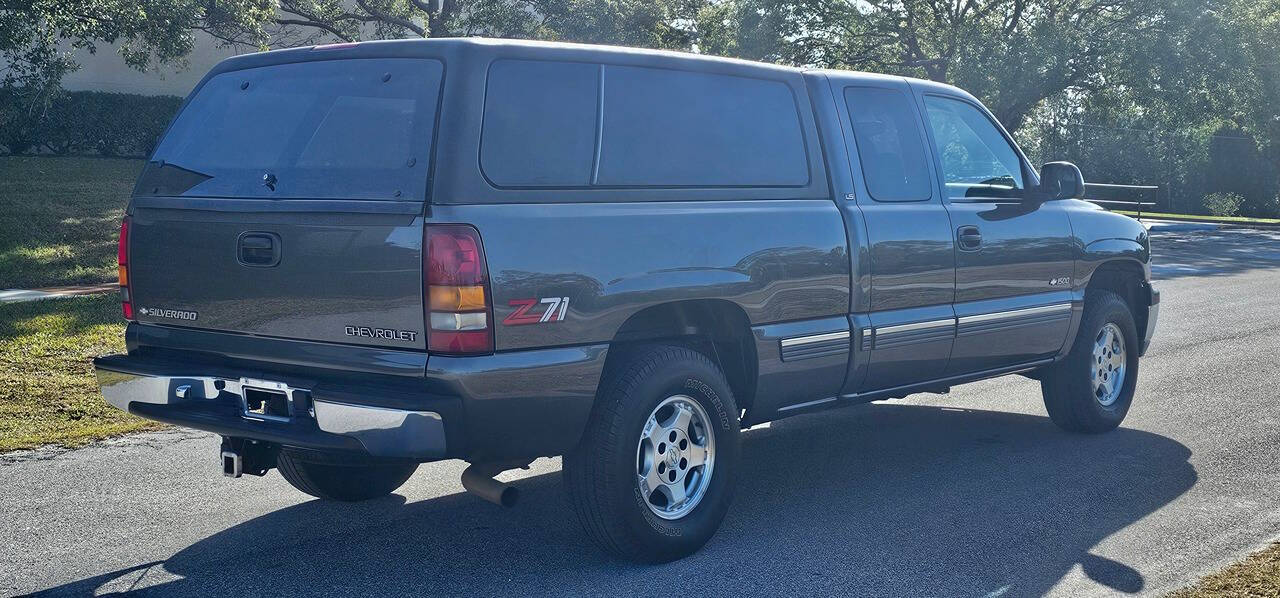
(815, 338)
(915, 326)
(1017, 313)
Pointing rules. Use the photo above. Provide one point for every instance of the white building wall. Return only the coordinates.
(106, 70)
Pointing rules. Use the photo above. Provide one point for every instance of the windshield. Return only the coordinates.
(335, 129)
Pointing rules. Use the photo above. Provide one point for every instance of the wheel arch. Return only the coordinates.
(717, 328)
(1127, 278)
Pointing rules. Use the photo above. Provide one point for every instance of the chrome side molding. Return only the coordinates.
(916, 326)
(1016, 313)
(814, 338)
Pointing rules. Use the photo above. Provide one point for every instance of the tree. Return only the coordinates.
(643, 23)
(36, 36)
(1013, 54)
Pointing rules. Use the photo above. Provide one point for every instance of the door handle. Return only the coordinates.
(260, 250)
(969, 237)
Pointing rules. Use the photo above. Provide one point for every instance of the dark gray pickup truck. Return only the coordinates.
(348, 260)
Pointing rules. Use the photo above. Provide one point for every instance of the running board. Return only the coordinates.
(939, 386)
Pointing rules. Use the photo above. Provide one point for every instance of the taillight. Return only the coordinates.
(457, 289)
(122, 257)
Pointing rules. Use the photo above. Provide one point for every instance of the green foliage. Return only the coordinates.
(59, 218)
(21, 112)
(48, 393)
(83, 122)
(37, 36)
(1013, 54)
(1196, 111)
(1223, 204)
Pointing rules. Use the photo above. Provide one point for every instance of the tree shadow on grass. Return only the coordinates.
(885, 499)
(60, 252)
(66, 316)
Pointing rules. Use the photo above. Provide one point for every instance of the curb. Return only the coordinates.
(1161, 226)
(20, 295)
(1206, 220)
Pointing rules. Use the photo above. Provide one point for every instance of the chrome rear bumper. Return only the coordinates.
(218, 404)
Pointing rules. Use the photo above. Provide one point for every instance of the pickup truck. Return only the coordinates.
(348, 260)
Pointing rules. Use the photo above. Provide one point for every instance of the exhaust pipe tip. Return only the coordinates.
(508, 495)
(478, 480)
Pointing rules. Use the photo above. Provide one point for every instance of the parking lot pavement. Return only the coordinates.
(974, 493)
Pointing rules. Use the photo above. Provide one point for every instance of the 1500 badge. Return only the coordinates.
(527, 311)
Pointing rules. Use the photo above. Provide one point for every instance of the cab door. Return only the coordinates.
(1014, 258)
(904, 322)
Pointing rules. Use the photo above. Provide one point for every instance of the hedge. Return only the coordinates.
(83, 122)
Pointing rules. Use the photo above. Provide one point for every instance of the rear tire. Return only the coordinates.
(342, 478)
(1091, 390)
(638, 493)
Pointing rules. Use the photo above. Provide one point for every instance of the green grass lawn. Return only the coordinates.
(59, 218)
(48, 394)
(1256, 576)
(1223, 219)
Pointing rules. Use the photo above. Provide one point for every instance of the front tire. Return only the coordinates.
(653, 476)
(1091, 390)
(340, 477)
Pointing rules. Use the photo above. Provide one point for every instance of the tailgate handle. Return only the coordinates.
(259, 250)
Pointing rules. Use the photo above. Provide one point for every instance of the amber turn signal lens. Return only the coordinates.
(124, 276)
(455, 299)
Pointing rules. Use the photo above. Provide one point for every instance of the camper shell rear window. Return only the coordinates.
(330, 129)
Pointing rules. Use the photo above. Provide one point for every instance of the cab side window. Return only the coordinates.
(890, 148)
(977, 161)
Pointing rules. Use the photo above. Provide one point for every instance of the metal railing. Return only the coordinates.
(1136, 206)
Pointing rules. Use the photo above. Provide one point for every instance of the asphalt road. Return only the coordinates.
(971, 494)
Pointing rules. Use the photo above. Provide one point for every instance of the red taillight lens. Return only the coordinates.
(122, 247)
(122, 257)
(454, 256)
(457, 294)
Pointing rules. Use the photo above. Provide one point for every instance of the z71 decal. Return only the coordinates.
(527, 311)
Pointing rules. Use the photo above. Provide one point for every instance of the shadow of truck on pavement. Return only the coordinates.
(883, 499)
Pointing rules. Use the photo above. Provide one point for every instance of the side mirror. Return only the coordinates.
(1061, 180)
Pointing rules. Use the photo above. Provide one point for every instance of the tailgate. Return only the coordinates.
(337, 277)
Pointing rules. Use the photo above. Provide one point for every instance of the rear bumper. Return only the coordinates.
(507, 405)
(163, 392)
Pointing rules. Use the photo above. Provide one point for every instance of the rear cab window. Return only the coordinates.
(330, 129)
(890, 148)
